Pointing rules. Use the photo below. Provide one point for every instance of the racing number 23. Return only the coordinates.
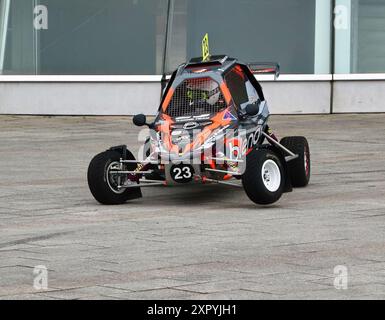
(183, 173)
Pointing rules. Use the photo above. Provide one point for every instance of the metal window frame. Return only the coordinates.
(4, 12)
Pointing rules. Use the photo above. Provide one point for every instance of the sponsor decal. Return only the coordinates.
(229, 116)
(194, 118)
(190, 125)
(241, 150)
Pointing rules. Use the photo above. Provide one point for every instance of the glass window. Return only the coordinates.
(360, 36)
(236, 83)
(83, 36)
(265, 30)
(17, 46)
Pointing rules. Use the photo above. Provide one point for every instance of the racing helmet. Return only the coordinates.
(204, 89)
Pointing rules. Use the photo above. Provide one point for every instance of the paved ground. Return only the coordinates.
(190, 243)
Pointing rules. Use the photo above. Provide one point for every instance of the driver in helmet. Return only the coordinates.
(204, 94)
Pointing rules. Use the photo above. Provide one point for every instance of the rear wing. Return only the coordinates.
(265, 68)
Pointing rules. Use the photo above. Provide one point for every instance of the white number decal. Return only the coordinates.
(178, 173)
(184, 173)
(187, 173)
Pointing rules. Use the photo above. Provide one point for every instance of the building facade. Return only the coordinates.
(108, 57)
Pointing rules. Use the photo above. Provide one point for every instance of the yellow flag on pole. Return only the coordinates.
(205, 48)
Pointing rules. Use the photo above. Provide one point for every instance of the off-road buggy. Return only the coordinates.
(211, 127)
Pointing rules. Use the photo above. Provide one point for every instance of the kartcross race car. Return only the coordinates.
(211, 127)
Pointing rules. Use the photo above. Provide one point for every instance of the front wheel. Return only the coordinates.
(263, 179)
(104, 184)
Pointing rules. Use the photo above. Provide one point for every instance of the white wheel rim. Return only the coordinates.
(271, 175)
(113, 166)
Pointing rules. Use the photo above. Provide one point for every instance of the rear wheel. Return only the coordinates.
(104, 183)
(299, 169)
(263, 179)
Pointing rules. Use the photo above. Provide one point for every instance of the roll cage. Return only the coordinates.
(229, 73)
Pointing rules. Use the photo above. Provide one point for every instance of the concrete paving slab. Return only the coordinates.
(196, 242)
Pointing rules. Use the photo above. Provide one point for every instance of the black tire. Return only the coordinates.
(299, 169)
(253, 179)
(97, 180)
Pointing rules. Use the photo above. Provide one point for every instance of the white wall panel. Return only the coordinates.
(298, 97)
(79, 98)
(359, 96)
(119, 98)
